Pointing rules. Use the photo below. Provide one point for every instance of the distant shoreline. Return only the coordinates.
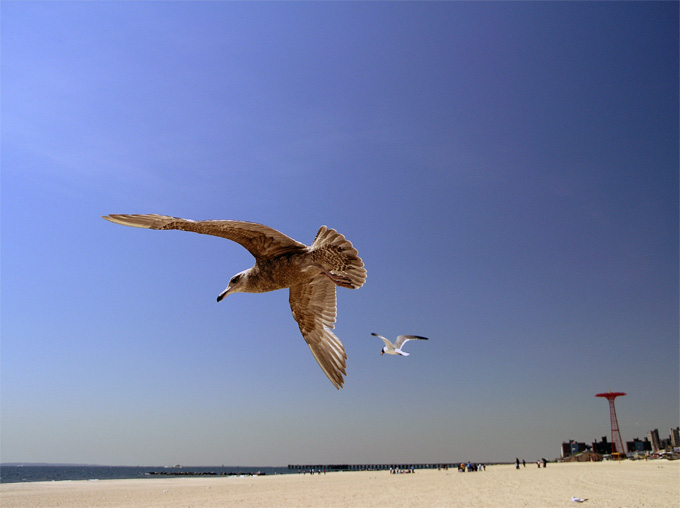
(156, 466)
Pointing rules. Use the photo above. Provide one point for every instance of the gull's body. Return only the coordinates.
(395, 349)
(311, 273)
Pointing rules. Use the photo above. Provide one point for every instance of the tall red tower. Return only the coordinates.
(617, 442)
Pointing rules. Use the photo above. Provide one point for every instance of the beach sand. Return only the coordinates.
(605, 484)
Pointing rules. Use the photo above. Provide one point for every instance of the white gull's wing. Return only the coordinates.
(261, 241)
(403, 339)
(387, 342)
(314, 308)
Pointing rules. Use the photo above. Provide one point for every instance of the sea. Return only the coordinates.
(54, 473)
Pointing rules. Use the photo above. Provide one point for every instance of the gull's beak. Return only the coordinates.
(382, 352)
(223, 294)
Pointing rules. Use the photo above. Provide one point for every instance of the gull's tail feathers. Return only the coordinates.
(337, 255)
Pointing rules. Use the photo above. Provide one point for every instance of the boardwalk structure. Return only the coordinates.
(372, 467)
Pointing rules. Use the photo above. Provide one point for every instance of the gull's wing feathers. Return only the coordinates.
(314, 308)
(403, 339)
(261, 241)
(386, 341)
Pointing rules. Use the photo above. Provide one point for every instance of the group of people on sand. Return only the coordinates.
(524, 463)
(470, 467)
(396, 470)
(312, 471)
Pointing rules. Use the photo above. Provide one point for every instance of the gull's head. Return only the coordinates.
(382, 351)
(236, 285)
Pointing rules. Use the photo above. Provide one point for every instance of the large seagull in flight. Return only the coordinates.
(310, 272)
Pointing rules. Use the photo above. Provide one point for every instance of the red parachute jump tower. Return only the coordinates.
(617, 442)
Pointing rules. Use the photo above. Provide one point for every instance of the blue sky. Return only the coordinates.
(507, 171)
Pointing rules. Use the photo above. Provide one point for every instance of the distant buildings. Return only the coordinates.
(653, 436)
(573, 450)
(637, 446)
(675, 437)
(673, 440)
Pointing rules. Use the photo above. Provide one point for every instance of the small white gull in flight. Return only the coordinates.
(395, 349)
(311, 274)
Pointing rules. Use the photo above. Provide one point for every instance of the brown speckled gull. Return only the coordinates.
(311, 273)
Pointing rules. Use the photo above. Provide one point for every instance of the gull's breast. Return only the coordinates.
(280, 273)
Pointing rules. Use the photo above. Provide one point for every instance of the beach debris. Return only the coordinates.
(578, 500)
(395, 349)
(310, 272)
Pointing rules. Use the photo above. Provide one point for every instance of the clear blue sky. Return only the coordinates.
(507, 171)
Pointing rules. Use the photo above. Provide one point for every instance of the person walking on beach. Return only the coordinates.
(516, 463)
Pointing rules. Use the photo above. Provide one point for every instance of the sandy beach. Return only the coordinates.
(607, 484)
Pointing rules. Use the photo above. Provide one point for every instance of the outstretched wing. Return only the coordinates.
(314, 308)
(386, 341)
(261, 241)
(403, 339)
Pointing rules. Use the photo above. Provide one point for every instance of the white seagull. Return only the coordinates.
(311, 274)
(395, 349)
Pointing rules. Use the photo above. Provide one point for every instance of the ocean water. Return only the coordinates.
(48, 473)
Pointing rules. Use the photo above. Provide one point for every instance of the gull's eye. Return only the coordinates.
(235, 279)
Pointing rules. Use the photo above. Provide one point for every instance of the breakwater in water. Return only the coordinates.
(203, 473)
(49, 473)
